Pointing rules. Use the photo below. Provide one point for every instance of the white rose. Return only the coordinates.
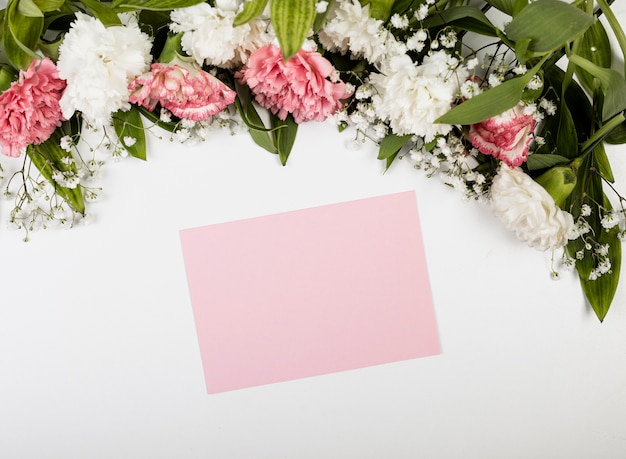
(526, 208)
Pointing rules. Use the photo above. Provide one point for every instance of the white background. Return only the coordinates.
(99, 357)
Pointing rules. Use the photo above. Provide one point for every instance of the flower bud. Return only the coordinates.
(559, 182)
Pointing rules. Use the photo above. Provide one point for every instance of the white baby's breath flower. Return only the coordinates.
(526, 208)
(129, 141)
(98, 63)
(66, 143)
(320, 7)
(421, 13)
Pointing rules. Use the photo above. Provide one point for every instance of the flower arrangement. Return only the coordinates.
(509, 101)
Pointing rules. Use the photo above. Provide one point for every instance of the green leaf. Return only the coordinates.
(250, 11)
(506, 6)
(487, 104)
(565, 23)
(284, 136)
(292, 20)
(617, 135)
(129, 124)
(566, 136)
(381, 9)
(544, 161)
(599, 292)
(7, 76)
(468, 18)
(102, 12)
(29, 8)
(262, 137)
(47, 158)
(594, 46)
(152, 5)
(392, 144)
(612, 81)
(21, 36)
(49, 5)
(602, 163)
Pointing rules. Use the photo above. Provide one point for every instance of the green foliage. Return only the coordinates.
(250, 11)
(292, 20)
(566, 23)
(152, 5)
(129, 124)
(48, 158)
(465, 17)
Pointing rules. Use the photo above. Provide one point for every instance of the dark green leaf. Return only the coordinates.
(544, 161)
(292, 20)
(392, 144)
(129, 124)
(389, 161)
(47, 158)
(602, 163)
(468, 18)
(7, 76)
(566, 136)
(250, 11)
(260, 135)
(284, 136)
(612, 81)
(618, 135)
(506, 6)
(565, 23)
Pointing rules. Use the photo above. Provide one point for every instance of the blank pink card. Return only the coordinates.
(310, 292)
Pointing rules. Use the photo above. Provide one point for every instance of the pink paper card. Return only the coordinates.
(310, 292)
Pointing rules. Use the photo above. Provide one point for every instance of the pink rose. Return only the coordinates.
(505, 136)
(304, 86)
(183, 88)
(29, 109)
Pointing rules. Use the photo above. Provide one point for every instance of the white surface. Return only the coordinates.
(99, 355)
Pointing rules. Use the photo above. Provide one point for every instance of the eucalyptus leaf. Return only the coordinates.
(47, 157)
(292, 20)
(250, 11)
(129, 124)
(565, 23)
(392, 144)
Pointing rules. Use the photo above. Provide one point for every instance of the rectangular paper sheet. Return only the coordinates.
(310, 292)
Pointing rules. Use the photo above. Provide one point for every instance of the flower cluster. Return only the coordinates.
(488, 109)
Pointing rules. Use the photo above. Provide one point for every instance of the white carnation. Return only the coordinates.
(349, 28)
(526, 208)
(210, 37)
(98, 63)
(411, 97)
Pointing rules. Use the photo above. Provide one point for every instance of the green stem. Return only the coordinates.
(601, 133)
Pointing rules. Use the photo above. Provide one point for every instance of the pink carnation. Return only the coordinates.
(183, 88)
(299, 86)
(29, 109)
(505, 136)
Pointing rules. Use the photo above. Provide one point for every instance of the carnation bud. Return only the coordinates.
(559, 182)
